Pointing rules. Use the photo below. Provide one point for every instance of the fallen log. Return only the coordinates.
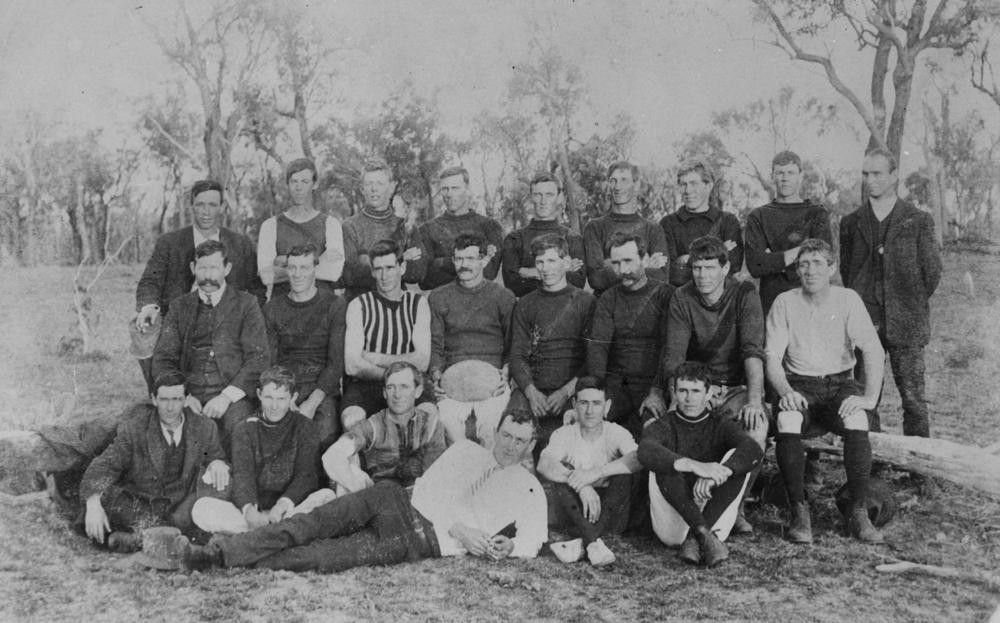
(905, 566)
(969, 466)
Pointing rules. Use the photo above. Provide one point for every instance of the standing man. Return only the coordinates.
(439, 235)
(374, 222)
(302, 223)
(149, 475)
(627, 334)
(812, 334)
(470, 501)
(716, 320)
(470, 320)
(775, 231)
(548, 346)
(624, 218)
(388, 325)
(519, 273)
(305, 333)
(168, 271)
(889, 256)
(697, 217)
(215, 337)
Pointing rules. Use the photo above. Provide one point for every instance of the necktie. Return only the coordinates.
(470, 428)
(173, 439)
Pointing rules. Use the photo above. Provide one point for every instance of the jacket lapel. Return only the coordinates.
(155, 445)
(864, 231)
(900, 217)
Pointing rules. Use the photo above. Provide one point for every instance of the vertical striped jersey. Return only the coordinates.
(388, 325)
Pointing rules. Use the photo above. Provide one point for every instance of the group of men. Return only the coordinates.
(464, 389)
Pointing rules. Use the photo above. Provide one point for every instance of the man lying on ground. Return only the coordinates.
(701, 460)
(275, 456)
(471, 501)
(154, 470)
(399, 443)
(591, 463)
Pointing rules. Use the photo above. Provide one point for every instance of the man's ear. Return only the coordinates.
(419, 391)
(229, 267)
(295, 400)
(607, 408)
(258, 394)
(192, 268)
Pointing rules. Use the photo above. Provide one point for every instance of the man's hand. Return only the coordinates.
(555, 400)
(352, 418)
(655, 403)
(96, 520)
(752, 414)
(580, 478)
(703, 489)
(255, 518)
(146, 317)
(537, 400)
(413, 253)
(357, 481)
(793, 401)
(854, 404)
(192, 403)
(730, 245)
(308, 408)
(280, 261)
(716, 472)
(280, 510)
(491, 250)
(569, 417)
(527, 273)
(500, 547)
(217, 475)
(575, 264)
(216, 407)
(476, 542)
(504, 383)
(658, 260)
(791, 255)
(591, 504)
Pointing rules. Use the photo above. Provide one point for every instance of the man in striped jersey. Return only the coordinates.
(386, 325)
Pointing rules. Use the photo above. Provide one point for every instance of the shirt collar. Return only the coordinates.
(179, 431)
(711, 214)
(213, 298)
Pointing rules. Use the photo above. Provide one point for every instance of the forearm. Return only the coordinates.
(656, 457)
(754, 369)
(776, 375)
(553, 469)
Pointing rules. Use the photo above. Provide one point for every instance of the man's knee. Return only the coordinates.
(856, 421)
(790, 422)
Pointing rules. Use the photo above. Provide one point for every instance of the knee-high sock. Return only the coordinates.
(791, 461)
(857, 464)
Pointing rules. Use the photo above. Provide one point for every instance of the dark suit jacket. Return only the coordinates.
(135, 460)
(912, 269)
(239, 339)
(168, 271)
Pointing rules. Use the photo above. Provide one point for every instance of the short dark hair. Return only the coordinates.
(202, 186)
(697, 166)
(786, 157)
(885, 153)
(707, 248)
(591, 382)
(169, 379)
(211, 247)
(453, 171)
(385, 247)
(817, 245)
(620, 239)
(520, 416)
(377, 164)
(279, 376)
(301, 164)
(693, 371)
(544, 177)
(399, 366)
(302, 250)
(465, 241)
(545, 242)
(621, 164)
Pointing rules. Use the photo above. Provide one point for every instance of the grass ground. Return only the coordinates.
(49, 574)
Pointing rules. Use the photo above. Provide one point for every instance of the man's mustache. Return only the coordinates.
(208, 281)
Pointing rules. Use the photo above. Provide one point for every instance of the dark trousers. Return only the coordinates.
(908, 371)
(626, 400)
(678, 490)
(614, 508)
(236, 413)
(375, 526)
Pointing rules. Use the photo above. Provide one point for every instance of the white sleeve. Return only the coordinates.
(622, 440)
(532, 521)
(331, 263)
(776, 330)
(267, 250)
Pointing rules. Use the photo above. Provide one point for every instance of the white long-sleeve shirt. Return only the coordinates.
(466, 485)
(331, 262)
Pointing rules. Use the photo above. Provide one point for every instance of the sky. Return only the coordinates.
(668, 63)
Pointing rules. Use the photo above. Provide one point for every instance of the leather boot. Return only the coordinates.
(713, 551)
(801, 529)
(690, 551)
(860, 526)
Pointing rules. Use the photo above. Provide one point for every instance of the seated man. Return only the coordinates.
(470, 501)
(149, 475)
(388, 325)
(812, 334)
(470, 321)
(398, 443)
(700, 461)
(590, 463)
(548, 349)
(305, 332)
(274, 463)
(215, 337)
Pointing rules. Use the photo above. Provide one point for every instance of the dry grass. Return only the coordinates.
(48, 573)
